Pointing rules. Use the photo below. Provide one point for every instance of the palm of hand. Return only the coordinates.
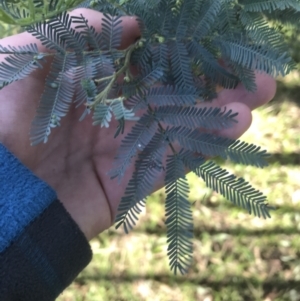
(77, 157)
(74, 161)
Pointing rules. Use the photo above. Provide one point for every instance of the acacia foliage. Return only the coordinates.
(178, 57)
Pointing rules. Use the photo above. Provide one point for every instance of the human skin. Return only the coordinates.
(78, 155)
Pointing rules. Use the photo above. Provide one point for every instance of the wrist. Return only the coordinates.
(90, 213)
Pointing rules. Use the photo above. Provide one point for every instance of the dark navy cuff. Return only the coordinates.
(45, 258)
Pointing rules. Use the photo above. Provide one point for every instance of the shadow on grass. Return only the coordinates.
(292, 92)
(198, 232)
(235, 283)
(285, 158)
(239, 230)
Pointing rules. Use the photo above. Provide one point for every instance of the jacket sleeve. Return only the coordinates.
(42, 249)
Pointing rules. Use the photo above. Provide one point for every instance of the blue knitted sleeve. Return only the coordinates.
(42, 249)
(23, 197)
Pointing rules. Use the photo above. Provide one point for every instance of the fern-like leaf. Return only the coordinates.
(184, 18)
(56, 99)
(121, 114)
(102, 6)
(259, 30)
(147, 170)
(102, 115)
(138, 138)
(192, 117)
(88, 89)
(160, 57)
(111, 32)
(207, 19)
(20, 64)
(164, 17)
(211, 67)
(210, 145)
(246, 76)
(58, 34)
(255, 57)
(181, 65)
(269, 5)
(83, 74)
(227, 18)
(171, 95)
(234, 189)
(144, 81)
(142, 57)
(288, 17)
(179, 220)
(92, 38)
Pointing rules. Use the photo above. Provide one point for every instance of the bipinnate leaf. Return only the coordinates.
(148, 168)
(56, 99)
(234, 189)
(192, 117)
(138, 138)
(19, 63)
(208, 144)
(179, 220)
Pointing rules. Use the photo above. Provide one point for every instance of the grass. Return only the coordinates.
(236, 256)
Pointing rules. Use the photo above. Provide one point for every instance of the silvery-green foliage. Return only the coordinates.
(187, 49)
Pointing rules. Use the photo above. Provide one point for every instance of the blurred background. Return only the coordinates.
(236, 257)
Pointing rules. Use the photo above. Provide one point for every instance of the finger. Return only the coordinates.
(130, 32)
(20, 39)
(238, 128)
(266, 89)
(244, 120)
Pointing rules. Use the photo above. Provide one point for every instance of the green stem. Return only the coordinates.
(103, 95)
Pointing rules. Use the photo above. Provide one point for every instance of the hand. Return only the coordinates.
(78, 155)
